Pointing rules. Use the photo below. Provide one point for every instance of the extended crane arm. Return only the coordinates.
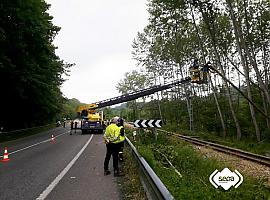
(87, 107)
(198, 76)
(138, 94)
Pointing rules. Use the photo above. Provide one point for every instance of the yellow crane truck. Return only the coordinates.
(91, 120)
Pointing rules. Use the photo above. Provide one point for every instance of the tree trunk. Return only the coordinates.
(251, 55)
(213, 40)
(189, 103)
(218, 107)
(266, 107)
(209, 77)
(245, 65)
(252, 58)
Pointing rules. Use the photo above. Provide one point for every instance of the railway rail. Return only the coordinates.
(225, 149)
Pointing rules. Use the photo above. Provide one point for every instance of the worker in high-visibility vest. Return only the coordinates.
(112, 140)
(120, 124)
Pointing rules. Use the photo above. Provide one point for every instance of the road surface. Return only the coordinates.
(71, 167)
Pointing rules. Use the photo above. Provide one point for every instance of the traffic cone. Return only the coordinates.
(52, 140)
(5, 157)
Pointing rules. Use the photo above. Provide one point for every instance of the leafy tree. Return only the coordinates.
(233, 35)
(31, 73)
(69, 108)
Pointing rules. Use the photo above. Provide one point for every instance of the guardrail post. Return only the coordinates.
(155, 133)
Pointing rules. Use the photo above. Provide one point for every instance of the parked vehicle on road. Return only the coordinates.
(91, 119)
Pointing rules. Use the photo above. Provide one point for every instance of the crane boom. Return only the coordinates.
(138, 94)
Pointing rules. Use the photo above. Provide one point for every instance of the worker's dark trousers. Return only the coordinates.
(121, 150)
(112, 149)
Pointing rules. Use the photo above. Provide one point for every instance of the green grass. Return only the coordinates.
(24, 133)
(246, 144)
(130, 185)
(195, 169)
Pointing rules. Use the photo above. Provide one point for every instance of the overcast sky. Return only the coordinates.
(97, 36)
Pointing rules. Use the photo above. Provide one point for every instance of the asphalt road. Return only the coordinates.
(71, 167)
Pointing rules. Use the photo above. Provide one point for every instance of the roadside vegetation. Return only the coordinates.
(248, 144)
(5, 136)
(235, 37)
(195, 169)
(31, 72)
(130, 184)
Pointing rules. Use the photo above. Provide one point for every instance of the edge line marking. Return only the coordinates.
(53, 184)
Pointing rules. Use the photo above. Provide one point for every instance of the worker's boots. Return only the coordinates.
(106, 172)
(117, 173)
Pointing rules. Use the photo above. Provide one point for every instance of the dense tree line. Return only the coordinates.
(235, 37)
(69, 109)
(31, 72)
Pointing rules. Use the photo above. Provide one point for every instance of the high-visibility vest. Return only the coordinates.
(112, 133)
(122, 138)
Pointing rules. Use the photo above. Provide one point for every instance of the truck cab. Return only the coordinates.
(91, 120)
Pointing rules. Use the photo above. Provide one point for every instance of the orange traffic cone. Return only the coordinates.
(52, 140)
(5, 158)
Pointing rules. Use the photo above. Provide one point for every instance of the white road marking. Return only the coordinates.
(53, 184)
(35, 144)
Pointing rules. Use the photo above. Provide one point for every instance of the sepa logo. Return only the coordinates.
(226, 178)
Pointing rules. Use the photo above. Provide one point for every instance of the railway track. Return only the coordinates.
(225, 149)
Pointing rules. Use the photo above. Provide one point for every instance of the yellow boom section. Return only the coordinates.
(86, 107)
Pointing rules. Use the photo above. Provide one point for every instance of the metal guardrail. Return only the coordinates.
(21, 130)
(156, 190)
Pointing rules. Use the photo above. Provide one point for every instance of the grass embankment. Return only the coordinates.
(246, 144)
(195, 169)
(131, 187)
(24, 133)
